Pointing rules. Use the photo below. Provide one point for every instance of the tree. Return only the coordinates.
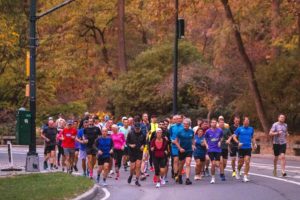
(249, 68)
(121, 36)
(275, 26)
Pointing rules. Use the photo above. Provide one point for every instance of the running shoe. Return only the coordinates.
(188, 182)
(151, 169)
(223, 177)
(117, 175)
(104, 183)
(245, 179)
(157, 185)
(143, 177)
(75, 168)
(45, 165)
(137, 183)
(129, 179)
(233, 174)
(63, 169)
(180, 179)
(213, 181)
(237, 176)
(154, 179)
(197, 177)
(206, 172)
(146, 174)
(162, 181)
(284, 174)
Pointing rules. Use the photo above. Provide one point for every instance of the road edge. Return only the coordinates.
(288, 158)
(90, 194)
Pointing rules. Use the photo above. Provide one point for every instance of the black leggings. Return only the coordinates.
(118, 154)
(158, 164)
(60, 152)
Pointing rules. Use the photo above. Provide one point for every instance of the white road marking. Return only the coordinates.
(106, 192)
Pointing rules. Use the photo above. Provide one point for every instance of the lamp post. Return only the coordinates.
(32, 159)
(179, 34)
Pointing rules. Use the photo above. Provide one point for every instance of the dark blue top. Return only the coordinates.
(245, 135)
(200, 150)
(104, 145)
(82, 147)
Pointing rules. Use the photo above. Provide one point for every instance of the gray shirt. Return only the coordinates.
(281, 128)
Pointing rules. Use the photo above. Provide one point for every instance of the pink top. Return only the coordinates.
(118, 140)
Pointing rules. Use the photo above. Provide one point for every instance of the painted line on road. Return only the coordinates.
(106, 192)
(266, 176)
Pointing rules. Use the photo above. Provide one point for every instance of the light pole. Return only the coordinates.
(179, 34)
(32, 159)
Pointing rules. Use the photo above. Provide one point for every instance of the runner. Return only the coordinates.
(185, 143)
(90, 134)
(174, 130)
(60, 151)
(97, 122)
(119, 145)
(125, 130)
(233, 144)
(146, 130)
(86, 117)
(82, 147)
(68, 143)
(279, 132)
(199, 153)
(77, 146)
(158, 147)
(199, 122)
(153, 127)
(205, 127)
(224, 145)
(104, 146)
(49, 135)
(60, 122)
(213, 137)
(136, 142)
(243, 136)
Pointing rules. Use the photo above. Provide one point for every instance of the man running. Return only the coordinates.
(104, 145)
(213, 137)
(174, 130)
(244, 137)
(185, 144)
(77, 146)
(82, 147)
(136, 142)
(68, 136)
(233, 144)
(49, 135)
(90, 134)
(125, 129)
(224, 145)
(279, 132)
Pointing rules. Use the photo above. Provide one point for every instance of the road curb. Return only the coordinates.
(289, 158)
(90, 194)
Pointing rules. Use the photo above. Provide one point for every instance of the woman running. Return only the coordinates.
(159, 146)
(119, 145)
(199, 153)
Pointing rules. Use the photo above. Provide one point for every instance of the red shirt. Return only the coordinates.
(68, 141)
(159, 148)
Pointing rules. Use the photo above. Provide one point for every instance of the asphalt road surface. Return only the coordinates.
(262, 185)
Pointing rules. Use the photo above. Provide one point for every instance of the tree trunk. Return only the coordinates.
(121, 36)
(298, 16)
(249, 68)
(275, 24)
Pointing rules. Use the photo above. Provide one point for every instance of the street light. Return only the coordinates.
(32, 159)
(179, 34)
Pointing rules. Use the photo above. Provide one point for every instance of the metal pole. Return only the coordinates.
(175, 64)
(32, 76)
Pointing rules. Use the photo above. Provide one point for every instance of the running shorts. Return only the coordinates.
(91, 151)
(48, 149)
(174, 151)
(135, 155)
(234, 151)
(224, 154)
(245, 152)
(184, 155)
(82, 154)
(279, 149)
(214, 156)
(102, 161)
(69, 151)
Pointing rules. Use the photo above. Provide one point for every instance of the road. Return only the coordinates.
(262, 185)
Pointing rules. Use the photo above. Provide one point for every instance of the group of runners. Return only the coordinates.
(144, 145)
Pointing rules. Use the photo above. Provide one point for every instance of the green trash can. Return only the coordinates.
(23, 127)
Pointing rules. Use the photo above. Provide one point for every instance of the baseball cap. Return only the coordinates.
(124, 118)
(137, 125)
(70, 122)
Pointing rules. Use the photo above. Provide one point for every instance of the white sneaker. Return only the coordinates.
(104, 183)
(245, 179)
(213, 181)
(162, 180)
(157, 185)
(238, 176)
(197, 177)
